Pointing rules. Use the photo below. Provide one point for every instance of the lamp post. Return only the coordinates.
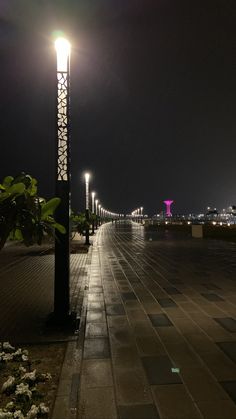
(99, 213)
(96, 212)
(62, 244)
(87, 176)
(93, 196)
(141, 215)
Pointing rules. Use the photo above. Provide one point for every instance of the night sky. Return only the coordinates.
(153, 99)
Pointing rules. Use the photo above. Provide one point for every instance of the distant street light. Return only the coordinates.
(99, 213)
(141, 209)
(87, 176)
(62, 244)
(93, 196)
(96, 212)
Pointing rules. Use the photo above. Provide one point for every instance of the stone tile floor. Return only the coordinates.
(157, 333)
(160, 328)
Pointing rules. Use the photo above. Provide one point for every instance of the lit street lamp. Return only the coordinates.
(96, 212)
(93, 196)
(62, 244)
(96, 206)
(87, 176)
(141, 209)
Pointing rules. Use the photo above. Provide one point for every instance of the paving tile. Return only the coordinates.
(150, 345)
(230, 388)
(96, 373)
(160, 320)
(211, 286)
(136, 315)
(220, 365)
(201, 343)
(96, 348)
(142, 328)
(96, 330)
(117, 321)
(95, 305)
(158, 370)
(95, 297)
(152, 307)
(166, 302)
(138, 411)
(126, 296)
(125, 356)
(169, 335)
(172, 290)
(97, 403)
(227, 323)
(201, 385)
(229, 348)
(115, 299)
(121, 335)
(174, 402)
(182, 354)
(212, 297)
(115, 309)
(188, 306)
(218, 409)
(131, 386)
(95, 316)
(132, 305)
(95, 289)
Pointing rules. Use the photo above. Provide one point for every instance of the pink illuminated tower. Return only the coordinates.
(168, 204)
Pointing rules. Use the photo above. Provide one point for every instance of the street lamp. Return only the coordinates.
(93, 196)
(87, 176)
(96, 212)
(141, 209)
(62, 244)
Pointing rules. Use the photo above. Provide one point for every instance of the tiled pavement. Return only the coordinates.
(157, 335)
(158, 331)
(26, 291)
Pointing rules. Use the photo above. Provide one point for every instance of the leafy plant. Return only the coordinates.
(23, 214)
(79, 223)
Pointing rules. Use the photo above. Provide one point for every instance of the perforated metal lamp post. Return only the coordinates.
(87, 176)
(62, 244)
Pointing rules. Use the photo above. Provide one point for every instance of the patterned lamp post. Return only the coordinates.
(62, 247)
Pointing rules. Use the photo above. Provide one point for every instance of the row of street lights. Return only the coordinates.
(137, 215)
(96, 206)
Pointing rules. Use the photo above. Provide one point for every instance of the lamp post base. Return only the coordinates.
(66, 323)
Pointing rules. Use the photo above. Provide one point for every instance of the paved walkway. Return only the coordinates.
(158, 335)
(27, 289)
(158, 332)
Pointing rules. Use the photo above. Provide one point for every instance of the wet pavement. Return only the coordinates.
(157, 334)
(159, 327)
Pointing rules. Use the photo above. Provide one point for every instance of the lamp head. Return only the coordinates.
(63, 48)
(87, 176)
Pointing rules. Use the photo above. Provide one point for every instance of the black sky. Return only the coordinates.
(153, 87)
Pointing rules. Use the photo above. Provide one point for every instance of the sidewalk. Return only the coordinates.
(157, 334)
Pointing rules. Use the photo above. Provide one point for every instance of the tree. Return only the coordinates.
(23, 214)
